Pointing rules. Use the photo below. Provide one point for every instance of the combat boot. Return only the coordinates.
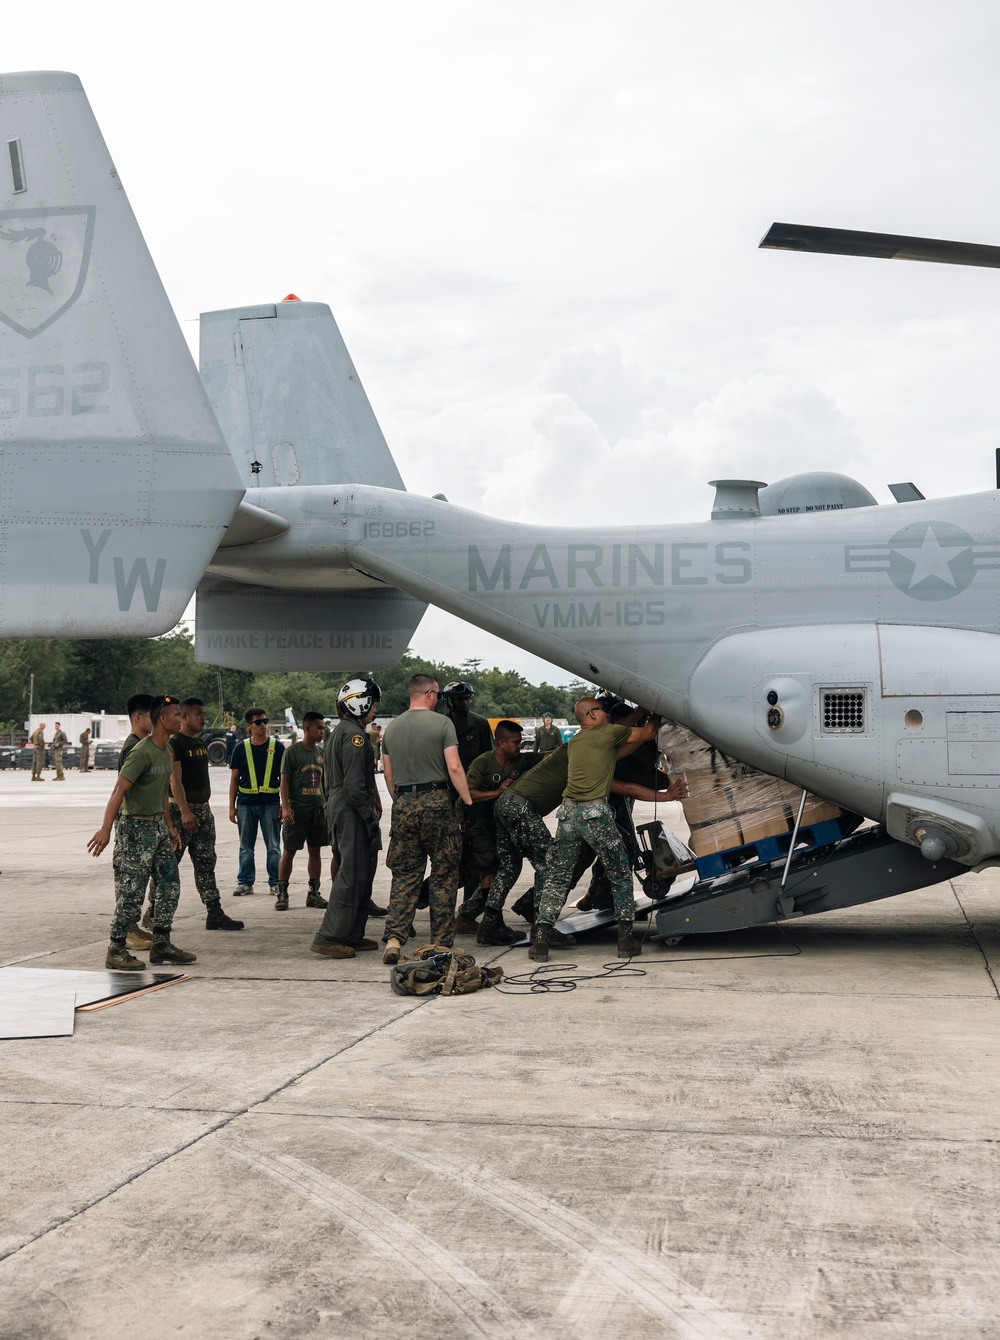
(628, 945)
(216, 919)
(281, 901)
(120, 960)
(375, 911)
(314, 898)
(538, 950)
(393, 949)
(559, 940)
(165, 952)
(137, 938)
(492, 930)
(466, 925)
(525, 906)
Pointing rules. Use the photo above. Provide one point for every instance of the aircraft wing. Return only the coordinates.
(118, 484)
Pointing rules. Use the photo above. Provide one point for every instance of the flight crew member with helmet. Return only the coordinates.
(145, 841)
(521, 833)
(353, 816)
(254, 800)
(421, 761)
(37, 742)
(85, 750)
(59, 742)
(474, 739)
(585, 817)
(191, 814)
(303, 811)
(547, 736)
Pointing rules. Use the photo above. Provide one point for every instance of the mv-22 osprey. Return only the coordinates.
(854, 652)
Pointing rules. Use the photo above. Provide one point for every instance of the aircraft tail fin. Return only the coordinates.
(117, 481)
(289, 397)
(269, 630)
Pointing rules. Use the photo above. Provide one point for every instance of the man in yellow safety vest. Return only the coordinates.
(254, 799)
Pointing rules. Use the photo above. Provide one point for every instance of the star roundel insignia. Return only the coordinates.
(358, 741)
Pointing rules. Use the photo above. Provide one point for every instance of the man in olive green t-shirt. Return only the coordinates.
(145, 841)
(585, 817)
(420, 757)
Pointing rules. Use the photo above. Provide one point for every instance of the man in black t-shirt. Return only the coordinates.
(254, 800)
(191, 813)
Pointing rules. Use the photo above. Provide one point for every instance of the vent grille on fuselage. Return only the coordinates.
(843, 712)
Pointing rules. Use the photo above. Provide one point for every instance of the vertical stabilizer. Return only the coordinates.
(116, 483)
(289, 397)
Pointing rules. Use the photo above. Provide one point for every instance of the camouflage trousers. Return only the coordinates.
(424, 827)
(592, 824)
(57, 762)
(521, 832)
(200, 846)
(143, 851)
(37, 761)
(84, 757)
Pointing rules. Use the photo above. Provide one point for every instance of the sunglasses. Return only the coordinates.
(259, 721)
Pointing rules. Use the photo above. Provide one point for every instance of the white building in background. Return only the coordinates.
(103, 726)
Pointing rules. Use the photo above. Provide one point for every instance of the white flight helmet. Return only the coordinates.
(358, 696)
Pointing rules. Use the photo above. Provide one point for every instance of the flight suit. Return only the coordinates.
(354, 829)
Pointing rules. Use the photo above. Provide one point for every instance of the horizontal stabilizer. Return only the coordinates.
(289, 398)
(117, 481)
(885, 246)
(259, 628)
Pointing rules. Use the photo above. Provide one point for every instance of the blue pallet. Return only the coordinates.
(768, 849)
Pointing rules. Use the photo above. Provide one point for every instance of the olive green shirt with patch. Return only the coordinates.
(592, 761)
(486, 774)
(303, 766)
(148, 768)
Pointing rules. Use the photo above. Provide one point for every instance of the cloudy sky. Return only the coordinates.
(537, 226)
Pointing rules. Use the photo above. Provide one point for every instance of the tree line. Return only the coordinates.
(81, 675)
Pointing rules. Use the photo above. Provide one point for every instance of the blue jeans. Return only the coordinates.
(268, 819)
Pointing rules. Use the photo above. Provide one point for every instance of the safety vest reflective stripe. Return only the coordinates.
(253, 789)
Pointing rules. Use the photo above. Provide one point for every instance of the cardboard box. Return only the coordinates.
(716, 837)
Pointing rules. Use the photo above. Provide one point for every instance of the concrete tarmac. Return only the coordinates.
(754, 1135)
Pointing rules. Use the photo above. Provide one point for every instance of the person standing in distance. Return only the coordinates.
(191, 813)
(37, 742)
(145, 842)
(547, 736)
(85, 750)
(303, 813)
(352, 813)
(254, 800)
(59, 742)
(420, 759)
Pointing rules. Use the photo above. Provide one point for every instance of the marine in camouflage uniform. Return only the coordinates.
(586, 819)
(85, 750)
(421, 760)
(424, 828)
(37, 742)
(59, 742)
(143, 842)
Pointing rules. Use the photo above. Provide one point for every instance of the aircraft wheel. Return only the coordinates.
(669, 941)
(217, 752)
